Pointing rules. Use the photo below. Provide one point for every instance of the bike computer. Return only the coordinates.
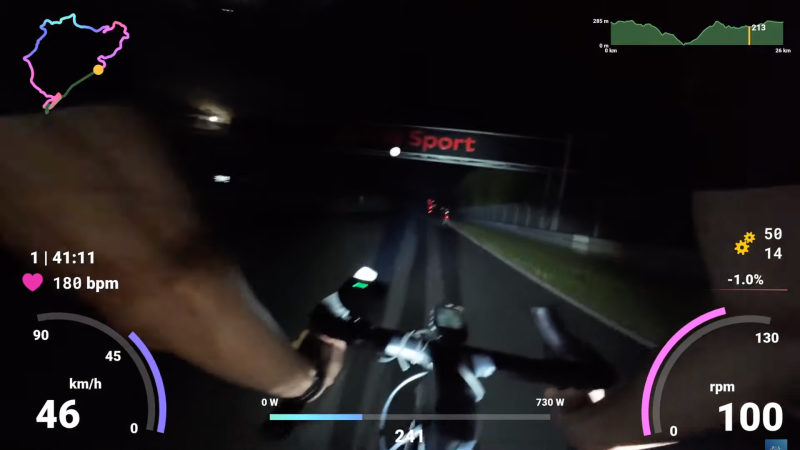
(448, 322)
(448, 317)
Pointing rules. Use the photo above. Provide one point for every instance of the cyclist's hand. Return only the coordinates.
(616, 419)
(332, 356)
(592, 422)
(97, 179)
(568, 416)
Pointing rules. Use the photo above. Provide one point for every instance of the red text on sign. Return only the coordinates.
(427, 141)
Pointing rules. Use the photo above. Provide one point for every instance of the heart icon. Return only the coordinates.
(32, 282)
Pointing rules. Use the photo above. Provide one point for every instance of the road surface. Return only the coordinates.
(438, 264)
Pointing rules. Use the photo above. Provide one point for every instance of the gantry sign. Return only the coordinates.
(461, 147)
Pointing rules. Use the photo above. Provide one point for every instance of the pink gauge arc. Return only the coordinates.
(651, 377)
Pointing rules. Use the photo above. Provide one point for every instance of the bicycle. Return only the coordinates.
(457, 368)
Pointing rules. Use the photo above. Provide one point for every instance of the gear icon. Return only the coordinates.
(741, 247)
(749, 237)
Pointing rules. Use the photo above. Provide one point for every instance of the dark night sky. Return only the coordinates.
(518, 67)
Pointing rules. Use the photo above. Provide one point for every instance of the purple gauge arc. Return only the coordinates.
(148, 386)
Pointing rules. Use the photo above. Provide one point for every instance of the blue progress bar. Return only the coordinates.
(316, 417)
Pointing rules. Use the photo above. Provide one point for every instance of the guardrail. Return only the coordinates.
(578, 243)
(522, 215)
(530, 222)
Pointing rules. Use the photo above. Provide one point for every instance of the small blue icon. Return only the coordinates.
(776, 444)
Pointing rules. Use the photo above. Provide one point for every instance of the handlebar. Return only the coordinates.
(574, 364)
(590, 373)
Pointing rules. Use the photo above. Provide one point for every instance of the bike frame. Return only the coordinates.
(453, 396)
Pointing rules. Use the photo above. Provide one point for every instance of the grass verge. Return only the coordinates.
(652, 305)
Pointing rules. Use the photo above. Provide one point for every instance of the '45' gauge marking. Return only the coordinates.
(69, 417)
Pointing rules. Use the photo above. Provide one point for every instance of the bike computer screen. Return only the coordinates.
(448, 317)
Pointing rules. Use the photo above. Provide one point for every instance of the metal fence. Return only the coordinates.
(522, 215)
(528, 216)
(536, 223)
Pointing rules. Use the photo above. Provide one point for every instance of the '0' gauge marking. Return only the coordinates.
(148, 386)
(694, 331)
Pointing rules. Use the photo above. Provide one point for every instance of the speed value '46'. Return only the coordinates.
(67, 417)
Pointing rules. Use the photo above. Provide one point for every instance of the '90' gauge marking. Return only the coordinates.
(148, 386)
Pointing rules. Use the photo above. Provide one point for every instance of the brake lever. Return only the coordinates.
(560, 344)
(331, 318)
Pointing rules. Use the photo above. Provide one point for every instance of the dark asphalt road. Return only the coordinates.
(295, 261)
(293, 265)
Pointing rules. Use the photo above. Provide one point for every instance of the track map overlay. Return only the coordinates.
(53, 99)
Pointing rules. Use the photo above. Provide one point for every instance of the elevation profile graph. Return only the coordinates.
(628, 32)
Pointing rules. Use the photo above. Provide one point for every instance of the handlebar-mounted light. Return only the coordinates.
(366, 274)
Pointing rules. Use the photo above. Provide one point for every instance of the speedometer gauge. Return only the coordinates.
(92, 383)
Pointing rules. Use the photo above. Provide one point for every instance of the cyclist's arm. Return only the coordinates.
(92, 180)
(727, 355)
